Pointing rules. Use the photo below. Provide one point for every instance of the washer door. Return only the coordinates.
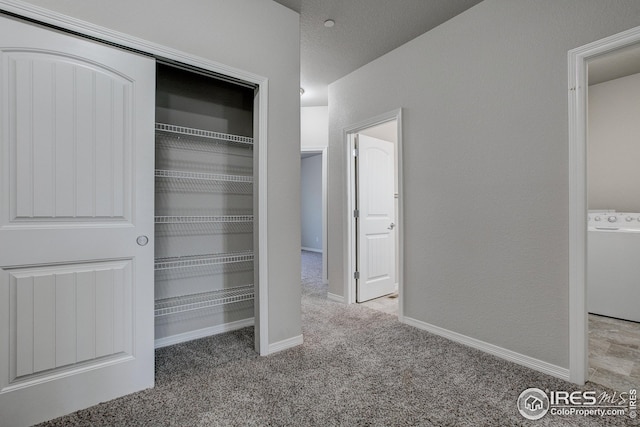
(613, 274)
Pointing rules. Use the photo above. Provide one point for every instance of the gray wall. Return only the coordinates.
(314, 127)
(311, 201)
(614, 145)
(258, 36)
(485, 130)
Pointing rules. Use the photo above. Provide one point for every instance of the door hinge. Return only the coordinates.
(356, 213)
(356, 275)
(355, 152)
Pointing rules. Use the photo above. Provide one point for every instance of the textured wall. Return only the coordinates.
(257, 36)
(614, 145)
(485, 129)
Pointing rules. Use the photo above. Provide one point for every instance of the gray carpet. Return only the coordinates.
(357, 367)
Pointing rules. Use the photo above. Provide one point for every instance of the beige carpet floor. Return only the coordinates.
(357, 367)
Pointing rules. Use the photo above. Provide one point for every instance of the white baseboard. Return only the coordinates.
(205, 332)
(285, 344)
(334, 297)
(503, 353)
(304, 248)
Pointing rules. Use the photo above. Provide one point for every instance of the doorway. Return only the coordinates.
(584, 64)
(374, 233)
(313, 174)
(613, 202)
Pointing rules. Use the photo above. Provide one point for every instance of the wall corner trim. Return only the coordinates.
(503, 353)
(335, 298)
(285, 344)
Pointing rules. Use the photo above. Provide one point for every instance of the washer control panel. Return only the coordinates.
(610, 220)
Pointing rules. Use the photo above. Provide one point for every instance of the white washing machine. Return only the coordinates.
(613, 264)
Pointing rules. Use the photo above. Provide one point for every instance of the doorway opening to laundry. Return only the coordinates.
(613, 203)
(604, 221)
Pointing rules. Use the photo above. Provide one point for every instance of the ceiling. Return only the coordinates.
(387, 131)
(364, 30)
(621, 63)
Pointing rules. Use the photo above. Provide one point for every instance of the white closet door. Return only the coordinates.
(376, 223)
(76, 191)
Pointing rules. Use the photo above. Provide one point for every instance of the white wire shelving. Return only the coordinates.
(218, 219)
(200, 135)
(199, 301)
(202, 176)
(179, 171)
(190, 261)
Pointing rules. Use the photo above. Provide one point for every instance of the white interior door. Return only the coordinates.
(76, 191)
(376, 220)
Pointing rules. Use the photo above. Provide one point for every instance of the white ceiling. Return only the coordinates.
(364, 30)
(621, 63)
(387, 131)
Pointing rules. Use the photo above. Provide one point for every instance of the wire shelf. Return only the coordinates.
(201, 176)
(203, 219)
(199, 301)
(200, 134)
(202, 260)
(167, 142)
(176, 274)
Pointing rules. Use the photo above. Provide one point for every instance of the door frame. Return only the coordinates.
(349, 242)
(102, 34)
(323, 152)
(578, 85)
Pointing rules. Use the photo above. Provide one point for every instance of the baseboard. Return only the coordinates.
(204, 332)
(285, 344)
(334, 297)
(503, 353)
(304, 248)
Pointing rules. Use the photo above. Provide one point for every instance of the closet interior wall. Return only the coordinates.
(204, 269)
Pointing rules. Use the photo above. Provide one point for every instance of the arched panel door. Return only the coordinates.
(76, 193)
(376, 221)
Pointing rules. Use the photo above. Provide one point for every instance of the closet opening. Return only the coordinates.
(204, 205)
(96, 231)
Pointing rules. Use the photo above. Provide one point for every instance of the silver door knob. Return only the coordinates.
(390, 227)
(142, 240)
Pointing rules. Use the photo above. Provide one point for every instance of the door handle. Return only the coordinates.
(142, 240)
(390, 227)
